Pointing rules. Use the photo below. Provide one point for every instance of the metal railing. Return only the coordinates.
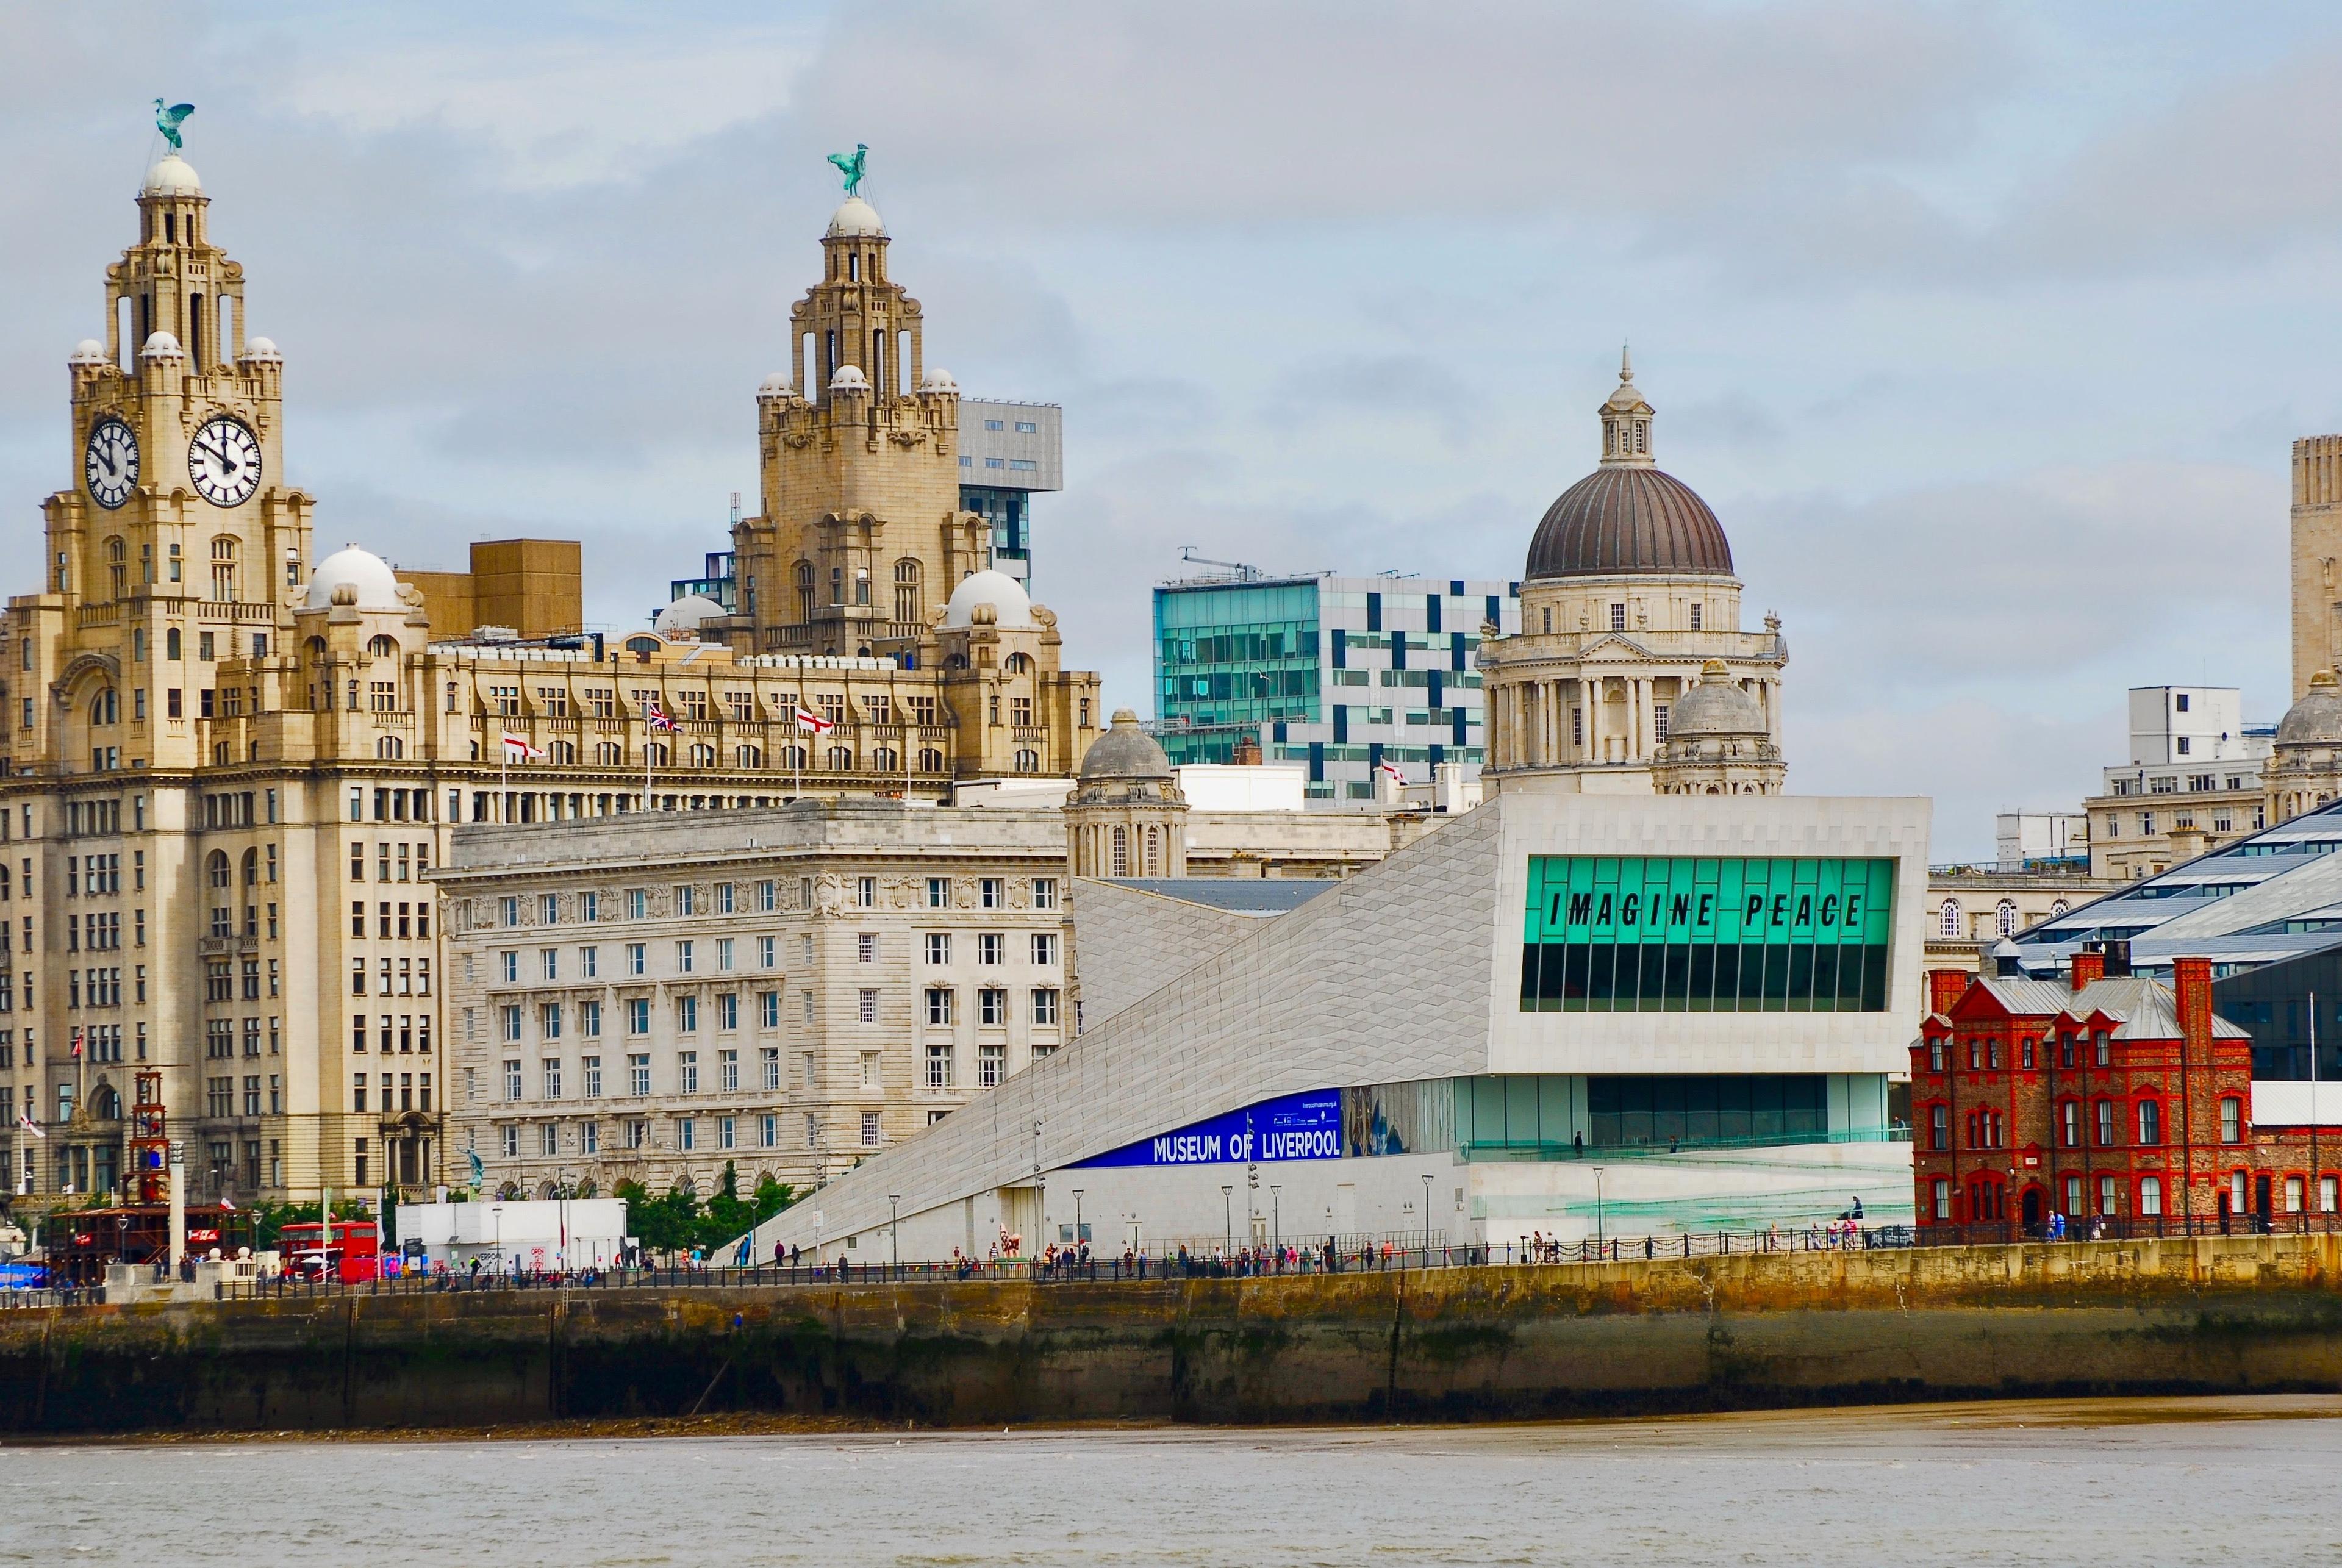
(2122, 1228)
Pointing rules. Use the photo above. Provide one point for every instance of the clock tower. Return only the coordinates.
(181, 537)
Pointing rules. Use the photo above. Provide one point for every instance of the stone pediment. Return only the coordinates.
(80, 665)
(1616, 647)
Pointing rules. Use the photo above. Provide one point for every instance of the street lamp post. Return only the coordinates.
(1275, 1216)
(1040, 1188)
(1228, 1217)
(895, 1227)
(1597, 1210)
(1077, 1221)
(1426, 1219)
(496, 1211)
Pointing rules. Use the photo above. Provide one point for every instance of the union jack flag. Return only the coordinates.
(655, 717)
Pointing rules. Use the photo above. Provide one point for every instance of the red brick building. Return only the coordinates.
(2101, 1096)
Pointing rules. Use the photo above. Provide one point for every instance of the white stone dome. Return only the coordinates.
(938, 380)
(854, 219)
(174, 176)
(685, 613)
(162, 345)
(260, 348)
(369, 574)
(849, 379)
(775, 385)
(1012, 610)
(88, 351)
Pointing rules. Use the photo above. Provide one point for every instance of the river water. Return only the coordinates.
(2121, 1482)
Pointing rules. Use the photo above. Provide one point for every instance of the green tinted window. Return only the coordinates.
(1626, 934)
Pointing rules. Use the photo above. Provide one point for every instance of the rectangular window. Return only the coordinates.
(991, 947)
(939, 1066)
(587, 965)
(512, 1079)
(727, 1071)
(687, 1071)
(686, 1015)
(768, 1067)
(1044, 1005)
(638, 1015)
(992, 1007)
(768, 1007)
(686, 900)
(1045, 949)
(687, 1134)
(767, 954)
(939, 1004)
(768, 1132)
(589, 1019)
(2105, 1128)
(2232, 1121)
(939, 947)
(866, 1007)
(939, 892)
(991, 1065)
(683, 954)
(1045, 892)
(553, 1077)
(1677, 934)
(637, 958)
(723, 952)
(1939, 1127)
(638, 1075)
(865, 947)
(591, 1069)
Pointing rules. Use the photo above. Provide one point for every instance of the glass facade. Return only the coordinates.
(1229, 658)
(1612, 933)
(1010, 514)
(2272, 1004)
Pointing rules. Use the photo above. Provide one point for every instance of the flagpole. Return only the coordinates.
(2314, 1182)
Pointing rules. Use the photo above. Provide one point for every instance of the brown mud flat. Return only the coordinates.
(2135, 1320)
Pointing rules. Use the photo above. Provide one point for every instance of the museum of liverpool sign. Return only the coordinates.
(1629, 933)
(1306, 1126)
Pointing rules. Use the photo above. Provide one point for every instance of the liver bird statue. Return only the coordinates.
(168, 121)
(850, 166)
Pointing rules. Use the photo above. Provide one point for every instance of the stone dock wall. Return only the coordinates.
(2211, 1315)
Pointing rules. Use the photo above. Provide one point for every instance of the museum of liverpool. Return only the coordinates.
(1556, 1012)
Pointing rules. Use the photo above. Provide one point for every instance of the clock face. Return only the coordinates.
(224, 462)
(109, 463)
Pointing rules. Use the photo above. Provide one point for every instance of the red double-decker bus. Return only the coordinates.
(352, 1255)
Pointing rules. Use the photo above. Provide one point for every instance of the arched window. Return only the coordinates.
(216, 868)
(804, 575)
(389, 748)
(930, 760)
(1029, 762)
(102, 707)
(252, 868)
(561, 753)
(1949, 918)
(382, 648)
(907, 605)
(171, 643)
(2005, 918)
(1154, 852)
(2151, 1195)
(748, 756)
(841, 759)
(1122, 852)
(655, 753)
(885, 759)
(703, 755)
(224, 587)
(2058, 908)
(608, 754)
(1017, 664)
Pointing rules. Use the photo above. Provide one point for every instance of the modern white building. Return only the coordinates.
(2031, 838)
(1334, 675)
(517, 1237)
(1558, 1012)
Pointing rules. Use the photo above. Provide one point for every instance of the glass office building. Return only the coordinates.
(1338, 675)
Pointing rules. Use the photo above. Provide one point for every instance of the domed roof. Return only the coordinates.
(938, 380)
(2316, 719)
(685, 613)
(855, 219)
(172, 176)
(1012, 610)
(162, 345)
(369, 574)
(775, 386)
(1126, 752)
(1628, 519)
(260, 348)
(1717, 707)
(88, 351)
(849, 379)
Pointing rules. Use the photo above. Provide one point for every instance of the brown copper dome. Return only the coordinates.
(1629, 519)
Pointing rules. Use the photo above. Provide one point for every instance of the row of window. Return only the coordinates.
(1986, 1197)
(409, 977)
(1951, 920)
(1984, 1051)
(938, 1071)
(759, 898)
(220, 1096)
(413, 862)
(941, 1008)
(412, 1091)
(684, 1132)
(1985, 1129)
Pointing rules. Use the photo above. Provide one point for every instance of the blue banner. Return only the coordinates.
(1305, 1126)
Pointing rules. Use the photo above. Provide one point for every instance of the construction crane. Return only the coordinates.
(1238, 569)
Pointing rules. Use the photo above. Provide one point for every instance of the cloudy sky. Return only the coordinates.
(1984, 328)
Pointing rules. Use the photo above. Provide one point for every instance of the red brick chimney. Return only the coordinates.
(1945, 987)
(2191, 991)
(2089, 969)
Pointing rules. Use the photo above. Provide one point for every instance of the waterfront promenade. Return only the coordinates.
(1766, 1330)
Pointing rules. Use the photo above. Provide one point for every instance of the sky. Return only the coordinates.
(1985, 328)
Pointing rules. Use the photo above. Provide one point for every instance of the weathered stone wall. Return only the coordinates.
(2215, 1315)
